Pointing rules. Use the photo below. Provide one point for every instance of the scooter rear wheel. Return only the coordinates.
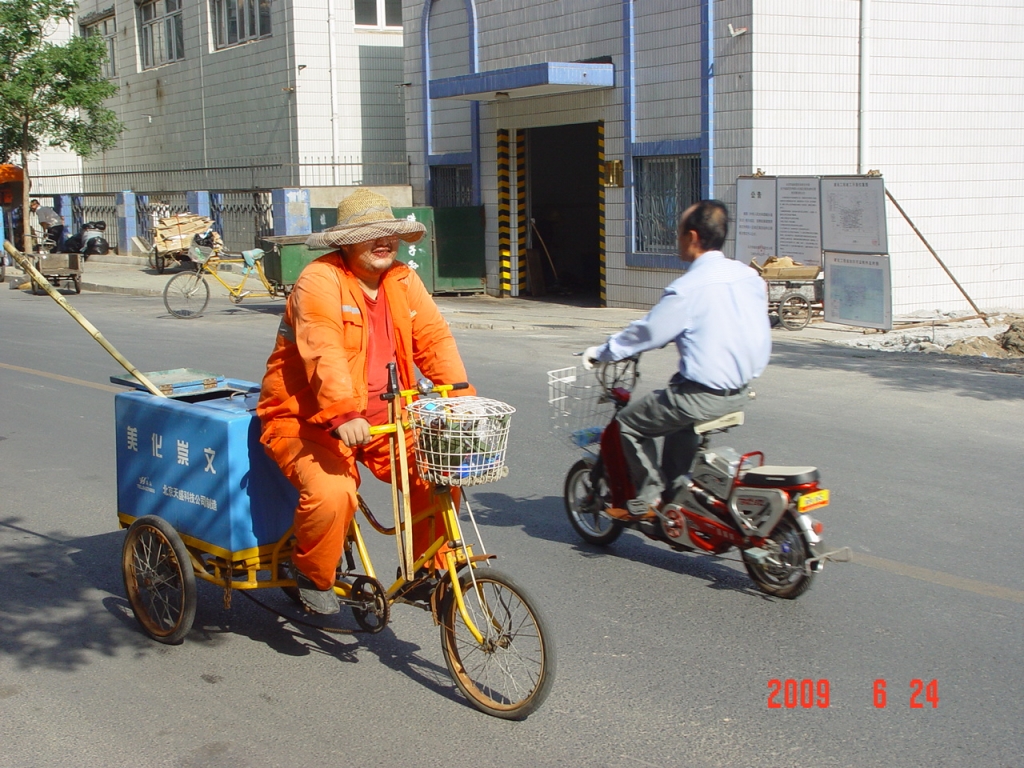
(785, 576)
(585, 508)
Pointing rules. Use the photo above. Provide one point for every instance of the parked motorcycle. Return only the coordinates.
(90, 240)
(728, 500)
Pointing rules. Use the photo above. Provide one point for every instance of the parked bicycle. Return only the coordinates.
(187, 293)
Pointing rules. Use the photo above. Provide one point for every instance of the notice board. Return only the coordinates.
(858, 290)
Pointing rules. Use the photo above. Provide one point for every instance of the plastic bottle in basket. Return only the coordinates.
(587, 436)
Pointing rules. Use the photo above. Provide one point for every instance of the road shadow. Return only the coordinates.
(49, 617)
(52, 619)
(980, 378)
(545, 518)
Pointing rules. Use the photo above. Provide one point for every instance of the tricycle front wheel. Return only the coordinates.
(511, 673)
(187, 294)
(159, 580)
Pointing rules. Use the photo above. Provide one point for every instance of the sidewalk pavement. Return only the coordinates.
(131, 275)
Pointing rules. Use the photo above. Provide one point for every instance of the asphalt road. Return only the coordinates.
(664, 658)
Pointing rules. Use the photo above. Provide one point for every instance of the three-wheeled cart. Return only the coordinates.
(60, 270)
(795, 302)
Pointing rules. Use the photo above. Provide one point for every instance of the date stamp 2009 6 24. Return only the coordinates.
(809, 693)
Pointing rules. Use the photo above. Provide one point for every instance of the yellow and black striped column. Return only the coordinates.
(504, 234)
(603, 290)
(521, 222)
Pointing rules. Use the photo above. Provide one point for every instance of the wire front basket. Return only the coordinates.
(460, 440)
(579, 408)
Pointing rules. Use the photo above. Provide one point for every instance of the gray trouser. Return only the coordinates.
(668, 413)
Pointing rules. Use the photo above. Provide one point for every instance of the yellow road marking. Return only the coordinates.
(65, 379)
(938, 577)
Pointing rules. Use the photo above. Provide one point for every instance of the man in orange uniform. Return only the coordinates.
(351, 313)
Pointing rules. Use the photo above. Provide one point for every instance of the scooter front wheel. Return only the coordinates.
(585, 506)
(782, 573)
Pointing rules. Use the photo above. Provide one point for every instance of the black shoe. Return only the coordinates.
(322, 601)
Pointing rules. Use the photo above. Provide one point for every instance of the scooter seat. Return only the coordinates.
(774, 477)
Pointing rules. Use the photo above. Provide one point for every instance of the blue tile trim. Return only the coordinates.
(452, 158)
(669, 147)
(474, 115)
(654, 261)
(629, 125)
(513, 78)
(707, 98)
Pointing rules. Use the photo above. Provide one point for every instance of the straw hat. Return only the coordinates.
(364, 216)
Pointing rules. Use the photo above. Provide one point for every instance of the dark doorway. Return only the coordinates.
(564, 200)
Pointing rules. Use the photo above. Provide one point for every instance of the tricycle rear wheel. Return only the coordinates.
(159, 580)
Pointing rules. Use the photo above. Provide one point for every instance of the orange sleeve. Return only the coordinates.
(433, 346)
(320, 335)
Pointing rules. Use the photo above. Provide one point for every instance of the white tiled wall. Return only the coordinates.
(945, 114)
(945, 126)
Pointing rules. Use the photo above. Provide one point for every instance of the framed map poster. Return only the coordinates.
(853, 214)
(858, 290)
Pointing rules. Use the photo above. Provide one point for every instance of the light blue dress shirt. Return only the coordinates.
(717, 314)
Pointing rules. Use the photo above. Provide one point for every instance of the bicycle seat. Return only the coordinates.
(733, 419)
(251, 257)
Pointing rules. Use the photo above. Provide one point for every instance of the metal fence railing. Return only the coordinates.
(240, 193)
(264, 173)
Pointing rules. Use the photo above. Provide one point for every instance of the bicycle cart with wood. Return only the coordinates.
(174, 238)
(795, 302)
(201, 500)
(187, 293)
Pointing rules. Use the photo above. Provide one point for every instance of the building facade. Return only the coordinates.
(584, 126)
(308, 91)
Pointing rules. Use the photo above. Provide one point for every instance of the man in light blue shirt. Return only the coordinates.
(717, 314)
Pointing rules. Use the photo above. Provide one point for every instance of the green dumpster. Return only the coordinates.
(285, 256)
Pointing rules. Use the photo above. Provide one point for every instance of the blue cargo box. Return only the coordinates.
(196, 461)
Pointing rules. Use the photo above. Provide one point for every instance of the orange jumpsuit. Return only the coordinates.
(316, 379)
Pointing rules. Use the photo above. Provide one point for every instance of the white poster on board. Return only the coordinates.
(853, 214)
(858, 290)
(755, 219)
(799, 219)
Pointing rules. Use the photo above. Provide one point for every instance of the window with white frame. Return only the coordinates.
(378, 13)
(161, 34)
(239, 21)
(664, 187)
(107, 29)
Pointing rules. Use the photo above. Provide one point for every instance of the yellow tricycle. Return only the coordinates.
(200, 499)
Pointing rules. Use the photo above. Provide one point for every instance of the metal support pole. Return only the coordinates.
(931, 250)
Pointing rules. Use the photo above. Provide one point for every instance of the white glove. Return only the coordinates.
(590, 357)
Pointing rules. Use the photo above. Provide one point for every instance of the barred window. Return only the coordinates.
(665, 186)
(107, 29)
(378, 13)
(451, 186)
(238, 21)
(162, 35)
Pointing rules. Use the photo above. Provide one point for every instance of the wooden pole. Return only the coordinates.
(931, 250)
(26, 264)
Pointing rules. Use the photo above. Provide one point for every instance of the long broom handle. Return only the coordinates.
(26, 264)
